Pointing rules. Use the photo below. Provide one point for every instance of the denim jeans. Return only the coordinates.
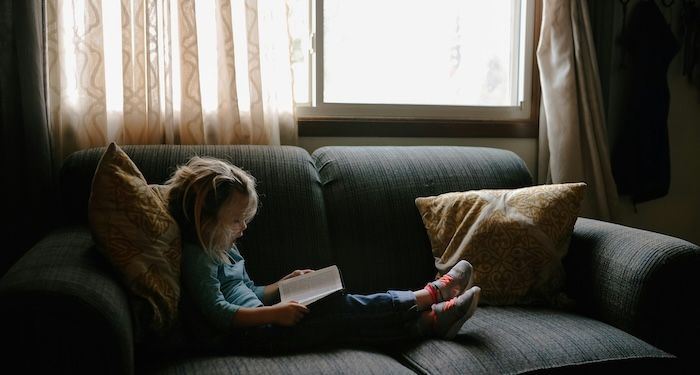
(344, 318)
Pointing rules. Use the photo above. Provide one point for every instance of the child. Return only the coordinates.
(213, 202)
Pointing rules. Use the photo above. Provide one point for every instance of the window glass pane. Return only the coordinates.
(437, 52)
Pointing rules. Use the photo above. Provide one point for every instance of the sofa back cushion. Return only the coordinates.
(377, 235)
(290, 228)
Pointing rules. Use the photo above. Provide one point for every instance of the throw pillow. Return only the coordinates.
(133, 228)
(514, 239)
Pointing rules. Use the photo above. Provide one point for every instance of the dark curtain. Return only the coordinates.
(28, 180)
(602, 15)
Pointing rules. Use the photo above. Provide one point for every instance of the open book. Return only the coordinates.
(312, 286)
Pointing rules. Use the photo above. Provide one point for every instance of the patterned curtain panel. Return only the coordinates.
(174, 72)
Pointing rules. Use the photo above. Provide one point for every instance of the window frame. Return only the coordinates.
(368, 120)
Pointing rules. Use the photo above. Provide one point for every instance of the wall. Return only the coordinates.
(678, 213)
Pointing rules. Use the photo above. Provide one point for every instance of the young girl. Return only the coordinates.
(213, 202)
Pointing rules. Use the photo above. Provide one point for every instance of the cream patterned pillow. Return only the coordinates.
(132, 226)
(515, 239)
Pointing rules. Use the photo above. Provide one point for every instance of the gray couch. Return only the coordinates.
(63, 310)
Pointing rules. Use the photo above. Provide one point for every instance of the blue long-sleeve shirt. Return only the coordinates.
(218, 289)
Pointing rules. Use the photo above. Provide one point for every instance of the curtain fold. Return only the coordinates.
(169, 71)
(28, 177)
(573, 140)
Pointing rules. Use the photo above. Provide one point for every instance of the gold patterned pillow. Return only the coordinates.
(514, 239)
(132, 226)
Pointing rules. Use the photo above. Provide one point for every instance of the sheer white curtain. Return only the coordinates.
(573, 138)
(160, 71)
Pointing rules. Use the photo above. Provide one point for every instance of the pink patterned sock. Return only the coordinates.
(446, 318)
(452, 284)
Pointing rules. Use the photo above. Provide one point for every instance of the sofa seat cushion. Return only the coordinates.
(511, 340)
(338, 361)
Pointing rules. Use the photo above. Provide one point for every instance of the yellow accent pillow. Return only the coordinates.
(133, 228)
(514, 239)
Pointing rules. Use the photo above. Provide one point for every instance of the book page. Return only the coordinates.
(312, 286)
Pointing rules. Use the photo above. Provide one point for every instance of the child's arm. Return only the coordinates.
(271, 293)
(283, 314)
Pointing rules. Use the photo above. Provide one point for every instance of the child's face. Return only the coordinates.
(232, 219)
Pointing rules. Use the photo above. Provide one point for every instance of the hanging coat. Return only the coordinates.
(640, 155)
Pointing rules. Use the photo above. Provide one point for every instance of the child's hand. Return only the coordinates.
(296, 273)
(289, 313)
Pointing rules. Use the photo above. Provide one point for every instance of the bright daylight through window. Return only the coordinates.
(437, 58)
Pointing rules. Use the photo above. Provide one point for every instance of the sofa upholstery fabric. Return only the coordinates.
(337, 361)
(638, 281)
(63, 309)
(514, 340)
(63, 294)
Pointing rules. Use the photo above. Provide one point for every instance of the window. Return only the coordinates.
(443, 62)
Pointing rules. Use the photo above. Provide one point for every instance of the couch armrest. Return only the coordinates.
(63, 311)
(642, 282)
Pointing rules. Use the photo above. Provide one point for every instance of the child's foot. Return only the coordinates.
(452, 283)
(446, 318)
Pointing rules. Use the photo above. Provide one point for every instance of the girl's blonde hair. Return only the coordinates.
(196, 192)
